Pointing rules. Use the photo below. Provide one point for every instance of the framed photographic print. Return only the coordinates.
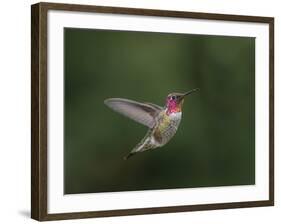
(139, 111)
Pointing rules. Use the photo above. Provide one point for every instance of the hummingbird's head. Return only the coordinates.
(174, 101)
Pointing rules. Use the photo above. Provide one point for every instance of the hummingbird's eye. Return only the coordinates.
(173, 97)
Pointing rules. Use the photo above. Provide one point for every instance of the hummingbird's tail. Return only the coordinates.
(138, 148)
(143, 145)
(129, 155)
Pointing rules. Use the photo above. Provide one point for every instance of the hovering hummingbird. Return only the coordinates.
(162, 122)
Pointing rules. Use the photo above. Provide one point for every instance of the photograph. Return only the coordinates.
(155, 111)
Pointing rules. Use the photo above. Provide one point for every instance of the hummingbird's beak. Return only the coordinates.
(189, 92)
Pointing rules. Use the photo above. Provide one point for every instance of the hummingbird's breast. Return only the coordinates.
(166, 127)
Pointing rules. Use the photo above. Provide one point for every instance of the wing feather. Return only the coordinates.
(140, 112)
(157, 107)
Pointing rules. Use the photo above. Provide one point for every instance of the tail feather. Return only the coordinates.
(137, 148)
(129, 155)
(140, 147)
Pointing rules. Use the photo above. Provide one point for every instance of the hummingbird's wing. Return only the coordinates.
(157, 107)
(139, 112)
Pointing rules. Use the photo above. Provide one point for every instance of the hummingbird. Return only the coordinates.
(162, 122)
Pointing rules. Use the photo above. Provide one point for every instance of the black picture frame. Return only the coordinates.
(39, 105)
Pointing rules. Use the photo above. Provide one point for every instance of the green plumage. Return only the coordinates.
(165, 128)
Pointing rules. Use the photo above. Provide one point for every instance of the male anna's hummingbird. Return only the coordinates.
(162, 122)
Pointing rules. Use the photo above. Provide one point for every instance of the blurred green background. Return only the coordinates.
(215, 143)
